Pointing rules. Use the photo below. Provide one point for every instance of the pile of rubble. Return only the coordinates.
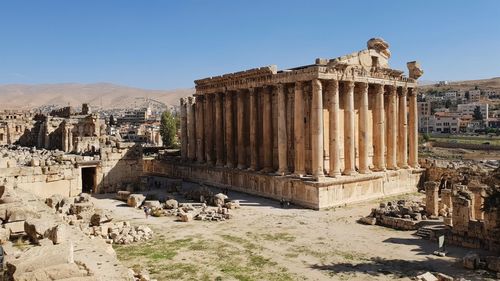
(401, 214)
(18, 156)
(94, 223)
(38, 245)
(185, 212)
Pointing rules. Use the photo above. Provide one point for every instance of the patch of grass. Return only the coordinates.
(232, 258)
(281, 236)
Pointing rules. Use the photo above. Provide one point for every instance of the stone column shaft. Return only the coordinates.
(363, 129)
(317, 129)
(209, 130)
(184, 134)
(298, 124)
(267, 136)
(241, 127)
(191, 129)
(332, 89)
(349, 127)
(392, 124)
(413, 128)
(282, 136)
(254, 152)
(229, 131)
(403, 130)
(202, 135)
(219, 137)
(379, 129)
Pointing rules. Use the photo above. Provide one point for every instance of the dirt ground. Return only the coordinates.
(266, 242)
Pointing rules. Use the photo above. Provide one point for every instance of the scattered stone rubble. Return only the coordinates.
(57, 251)
(97, 223)
(401, 214)
(18, 156)
(186, 211)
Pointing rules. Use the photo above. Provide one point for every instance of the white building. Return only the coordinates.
(468, 109)
(444, 122)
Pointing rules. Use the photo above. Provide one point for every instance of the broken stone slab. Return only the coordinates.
(54, 201)
(122, 195)
(135, 200)
(152, 204)
(78, 208)
(39, 257)
(54, 272)
(36, 228)
(426, 277)
(186, 217)
(368, 220)
(99, 218)
(171, 204)
(57, 234)
(82, 198)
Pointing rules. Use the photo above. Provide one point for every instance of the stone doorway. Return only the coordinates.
(89, 179)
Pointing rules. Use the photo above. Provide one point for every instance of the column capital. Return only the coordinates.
(190, 100)
(404, 91)
(412, 91)
(183, 101)
(349, 84)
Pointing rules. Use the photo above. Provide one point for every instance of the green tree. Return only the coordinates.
(168, 129)
(477, 114)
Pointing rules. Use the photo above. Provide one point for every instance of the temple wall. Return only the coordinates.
(44, 181)
(310, 194)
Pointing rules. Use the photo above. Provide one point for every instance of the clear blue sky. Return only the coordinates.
(168, 44)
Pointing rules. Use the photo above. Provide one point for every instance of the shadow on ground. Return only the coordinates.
(397, 268)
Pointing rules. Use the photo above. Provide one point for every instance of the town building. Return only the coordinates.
(474, 95)
(469, 108)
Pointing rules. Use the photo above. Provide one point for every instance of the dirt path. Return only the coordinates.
(266, 242)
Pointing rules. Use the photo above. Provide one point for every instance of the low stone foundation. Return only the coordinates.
(305, 192)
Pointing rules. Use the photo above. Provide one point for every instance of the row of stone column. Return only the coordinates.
(210, 119)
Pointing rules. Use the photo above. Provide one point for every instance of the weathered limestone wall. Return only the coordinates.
(311, 194)
(119, 166)
(44, 181)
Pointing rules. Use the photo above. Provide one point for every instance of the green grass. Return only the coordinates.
(467, 139)
(234, 257)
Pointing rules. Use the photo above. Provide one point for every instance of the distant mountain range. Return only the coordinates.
(110, 96)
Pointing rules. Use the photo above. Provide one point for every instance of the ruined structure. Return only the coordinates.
(337, 131)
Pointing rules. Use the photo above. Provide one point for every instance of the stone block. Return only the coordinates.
(135, 200)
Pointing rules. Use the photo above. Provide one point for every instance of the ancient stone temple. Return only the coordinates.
(337, 131)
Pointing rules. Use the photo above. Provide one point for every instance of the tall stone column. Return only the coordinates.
(332, 90)
(202, 136)
(349, 126)
(282, 136)
(219, 137)
(317, 129)
(254, 152)
(413, 128)
(240, 117)
(229, 130)
(403, 130)
(70, 139)
(379, 129)
(191, 129)
(209, 132)
(392, 124)
(267, 127)
(298, 124)
(184, 134)
(363, 129)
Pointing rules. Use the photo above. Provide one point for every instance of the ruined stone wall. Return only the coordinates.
(120, 166)
(44, 181)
